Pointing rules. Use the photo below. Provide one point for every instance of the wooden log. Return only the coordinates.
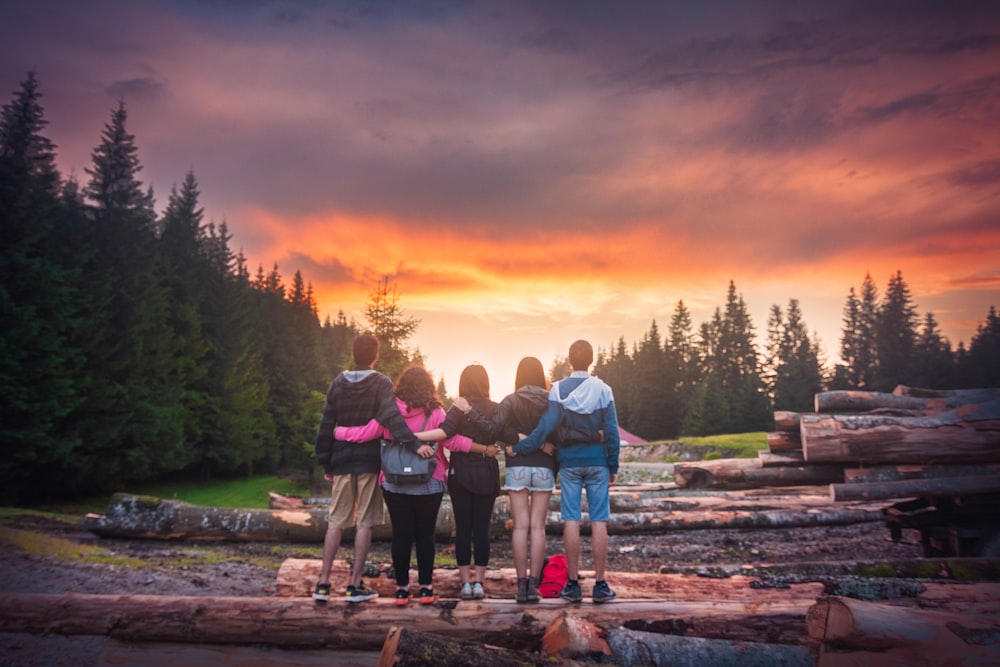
(909, 488)
(299, 622)
(404, 647)
(571, 637)
(865, 401)
(133, 516)
(749, 473)
(966, 435)
(634, 647)
(297, 577)
(729, 473)
(933, 636)
(784, 441)
(953, 397)
(772, 459)
(895, 473)
(786, 420)
(169, 654)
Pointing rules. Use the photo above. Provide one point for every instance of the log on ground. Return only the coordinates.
(965, 435)
(908, 488)
(409, 648)
(298, 622)
(633, 647)
(933, 636)
(297, 577)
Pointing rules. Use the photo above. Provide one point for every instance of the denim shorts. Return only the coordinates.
(530, 478)
(572, 482)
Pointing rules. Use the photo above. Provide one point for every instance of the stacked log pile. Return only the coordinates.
(952, 434)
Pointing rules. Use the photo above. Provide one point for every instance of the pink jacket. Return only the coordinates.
(415, 420)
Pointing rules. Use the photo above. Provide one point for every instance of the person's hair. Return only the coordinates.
(474, 382)
(365, 350)
(581, 355)
(530, 372)
(415, 387)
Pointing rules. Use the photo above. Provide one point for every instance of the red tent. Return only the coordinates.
(627, 438)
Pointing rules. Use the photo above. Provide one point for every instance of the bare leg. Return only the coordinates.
(520, 513)
(539, 509)
(362, 543)
(330, 545)
(599, 547)
(463, 573)
(571, 544)
(480, 573)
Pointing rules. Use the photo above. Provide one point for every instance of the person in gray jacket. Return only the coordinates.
(354, 398)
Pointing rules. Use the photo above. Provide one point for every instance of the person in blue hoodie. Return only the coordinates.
(579, 406)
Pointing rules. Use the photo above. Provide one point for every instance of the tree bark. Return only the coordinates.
(634, 647)
(297, 577)
(786, 420)
(970, 434)
(408, 648)
(170, 654)
(750, 473)
(895, 473)
(934, 637)
(865, 401)
(906, 488)
(784, 441)
(298, 622)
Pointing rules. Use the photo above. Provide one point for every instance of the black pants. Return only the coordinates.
(473, 516)
(414, 522)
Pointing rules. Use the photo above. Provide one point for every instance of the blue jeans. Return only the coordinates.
(572, 482)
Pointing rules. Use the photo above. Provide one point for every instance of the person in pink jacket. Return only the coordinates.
(413, 508)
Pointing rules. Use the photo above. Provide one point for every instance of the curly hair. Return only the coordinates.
(415, 387)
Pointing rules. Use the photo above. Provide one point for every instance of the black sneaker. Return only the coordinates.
(572, 591)
(360, 593)
(322, 593)
(402, 597)
(602, 592)
(427, 595)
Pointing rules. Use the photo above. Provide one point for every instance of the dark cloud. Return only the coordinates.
(143, 88)
(985, 173)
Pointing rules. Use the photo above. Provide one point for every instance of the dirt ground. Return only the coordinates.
(250, 569)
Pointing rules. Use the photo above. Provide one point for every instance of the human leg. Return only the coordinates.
(424, 524)
(371, 513)
(520, 511)
(461, 506)
(539, 514)
(343, 510)
(401, 515)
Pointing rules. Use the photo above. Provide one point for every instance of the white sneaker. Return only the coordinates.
(477, 591)
(467, 591)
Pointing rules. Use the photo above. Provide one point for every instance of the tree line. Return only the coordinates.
(139, 346)
(715, 380)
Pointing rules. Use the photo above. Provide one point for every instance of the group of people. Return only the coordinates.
(569, 430)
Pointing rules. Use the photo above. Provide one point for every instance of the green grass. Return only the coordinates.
(730, 445)
(249, 493)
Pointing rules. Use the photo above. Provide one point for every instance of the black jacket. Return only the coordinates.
(517, 413)
(353, 399)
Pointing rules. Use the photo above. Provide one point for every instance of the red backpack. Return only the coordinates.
(555, 574)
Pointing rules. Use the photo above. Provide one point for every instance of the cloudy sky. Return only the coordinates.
(530, 172)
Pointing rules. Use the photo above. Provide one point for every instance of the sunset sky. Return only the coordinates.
(528, 173)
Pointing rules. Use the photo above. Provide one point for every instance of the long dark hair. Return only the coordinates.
(415, 387)
(530, 372)
(474, 383)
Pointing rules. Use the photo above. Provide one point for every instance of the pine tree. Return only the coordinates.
(39, 305)
(933, 363)
(980, 366)
(392, 327)
(799, 376)
(895, 334)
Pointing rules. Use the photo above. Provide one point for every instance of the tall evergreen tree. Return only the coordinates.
(799, 376)
(895, 335)
(388, 322)
(651, 394)
(980, 366)
(39, 303)
(933, 363)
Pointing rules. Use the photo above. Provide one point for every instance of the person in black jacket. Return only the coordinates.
(473, 480)
(354, 398)
(530, 477)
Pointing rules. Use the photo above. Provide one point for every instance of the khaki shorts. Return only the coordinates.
(356, 499)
